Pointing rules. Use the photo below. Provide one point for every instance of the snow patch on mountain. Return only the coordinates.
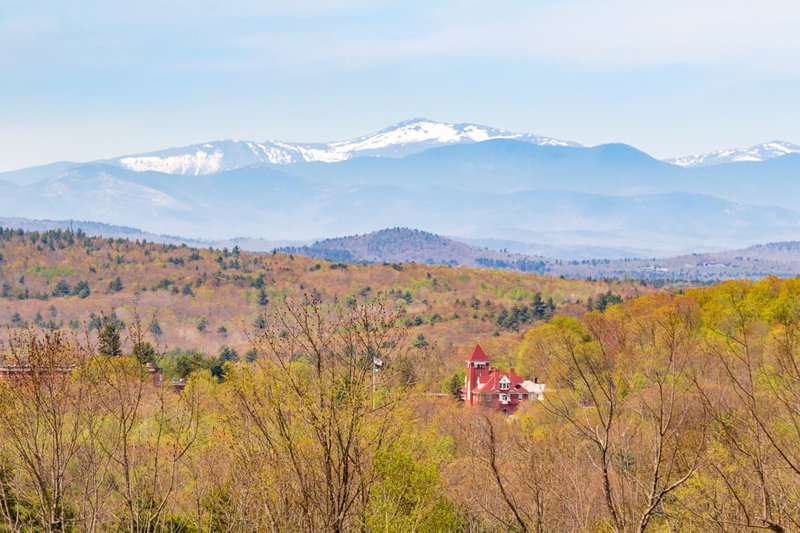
(398, 140)
(424, 131)
(759, 152)
(200, 162)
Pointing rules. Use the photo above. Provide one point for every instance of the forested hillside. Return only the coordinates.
(669, 411)
(204, 300)
(405, 245)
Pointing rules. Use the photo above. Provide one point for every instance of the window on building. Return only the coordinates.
(504, 398)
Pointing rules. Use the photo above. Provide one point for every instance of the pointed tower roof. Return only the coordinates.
(478, 355)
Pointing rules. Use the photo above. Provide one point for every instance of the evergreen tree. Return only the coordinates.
(228, 354)
(115, 285)
(607, 299)
(420, 342)
(155, 328)
(61, 289)
(81, 289)
(454, 385)
(263, 299)
(186, 363)
(144, 352)
(539, 308)
(110, 343)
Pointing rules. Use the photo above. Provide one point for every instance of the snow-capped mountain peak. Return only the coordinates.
(398, 140)
(759, 152)
(424, 132)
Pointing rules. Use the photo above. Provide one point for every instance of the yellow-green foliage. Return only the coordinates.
(668, 412)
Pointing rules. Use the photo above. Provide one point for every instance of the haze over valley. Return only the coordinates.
(461, 180)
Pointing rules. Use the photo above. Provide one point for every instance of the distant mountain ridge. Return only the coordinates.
(461, 180)
(397, 140)
(402, 245)
(95, 229)
(405, 245)
(757, 153)
(99, 229)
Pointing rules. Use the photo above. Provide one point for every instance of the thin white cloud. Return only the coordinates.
(590, 32)
(356, 33)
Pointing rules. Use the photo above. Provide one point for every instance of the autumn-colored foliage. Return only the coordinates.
(201, 300)
(670, 411)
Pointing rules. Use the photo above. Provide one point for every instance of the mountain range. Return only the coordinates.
(759, 152)
(464, 180)
(401, 139)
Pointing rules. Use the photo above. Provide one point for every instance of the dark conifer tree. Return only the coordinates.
(110, 342)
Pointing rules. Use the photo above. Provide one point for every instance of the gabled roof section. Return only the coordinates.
(489, 386)
(494, 378)
(478, 355)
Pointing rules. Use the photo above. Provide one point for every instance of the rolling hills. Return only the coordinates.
(203, 299)
(400, 244)
(404, 245)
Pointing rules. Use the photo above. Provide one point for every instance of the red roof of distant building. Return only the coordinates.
(492, 384)
(478, 355)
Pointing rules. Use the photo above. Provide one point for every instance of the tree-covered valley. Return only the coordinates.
(665, 409)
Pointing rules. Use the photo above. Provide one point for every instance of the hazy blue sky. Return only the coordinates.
(85, 79)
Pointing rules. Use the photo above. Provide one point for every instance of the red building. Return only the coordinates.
(489, 387)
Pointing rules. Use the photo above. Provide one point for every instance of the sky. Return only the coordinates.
(90, 79)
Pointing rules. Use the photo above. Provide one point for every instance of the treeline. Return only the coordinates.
(320, 252)
(524, 265)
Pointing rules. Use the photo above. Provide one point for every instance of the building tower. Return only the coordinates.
(477, 368)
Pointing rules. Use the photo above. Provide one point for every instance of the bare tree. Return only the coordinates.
(146, 431)
(315, 409)
(41, 409)
(622, 382)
